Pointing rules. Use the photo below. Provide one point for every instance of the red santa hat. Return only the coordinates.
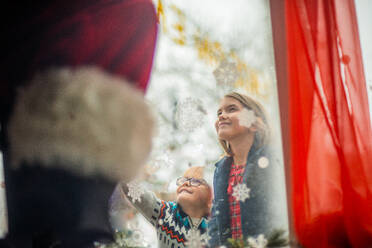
(73, 83)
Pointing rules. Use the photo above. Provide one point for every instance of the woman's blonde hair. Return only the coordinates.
(263, 132)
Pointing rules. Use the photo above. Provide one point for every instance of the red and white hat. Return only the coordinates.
(74, 77)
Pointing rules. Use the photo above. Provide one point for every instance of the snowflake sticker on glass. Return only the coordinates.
(206, 237)
(263, 162)
(226, 73)
(135, 239)
(135, 191)
(163, 160)
(125, 239)
(259, 242)
(241, 192)
(194, 239)
(190, 114)
(246, 117)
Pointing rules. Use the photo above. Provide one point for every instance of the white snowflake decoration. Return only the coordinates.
(259, 242)
(163, 160)
(206, 237)
(241, 192)
(263, 162)
(194, 239)
(120, 242)
(136, 239)
(226, 73)
(190, 114)
(246, 117)
(135, 191)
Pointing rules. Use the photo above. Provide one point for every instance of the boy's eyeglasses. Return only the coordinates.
(193, 181)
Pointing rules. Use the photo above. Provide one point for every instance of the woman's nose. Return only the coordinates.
(222, 116)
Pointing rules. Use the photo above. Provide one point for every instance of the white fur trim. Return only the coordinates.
(91, 121)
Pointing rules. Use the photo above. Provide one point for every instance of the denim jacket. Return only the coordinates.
(256, 211)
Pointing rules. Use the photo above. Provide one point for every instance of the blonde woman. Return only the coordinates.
(243, 132)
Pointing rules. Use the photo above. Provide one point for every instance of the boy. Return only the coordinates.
(182, 223)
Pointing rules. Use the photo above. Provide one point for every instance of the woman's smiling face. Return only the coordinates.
(228, 118)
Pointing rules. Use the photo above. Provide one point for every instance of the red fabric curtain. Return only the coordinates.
(330, 130)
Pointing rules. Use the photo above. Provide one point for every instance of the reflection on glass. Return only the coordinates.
(204, 51)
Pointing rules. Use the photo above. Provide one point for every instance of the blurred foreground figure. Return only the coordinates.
(73, 117)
